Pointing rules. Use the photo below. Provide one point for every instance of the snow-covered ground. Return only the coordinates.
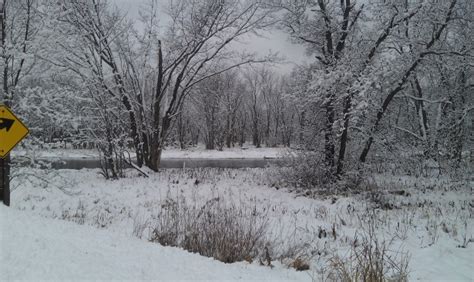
(430, 221)
(169, 153)
(37, 248)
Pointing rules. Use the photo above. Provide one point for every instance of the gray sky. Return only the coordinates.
(274, 41)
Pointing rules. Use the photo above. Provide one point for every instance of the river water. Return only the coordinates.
(72, 163)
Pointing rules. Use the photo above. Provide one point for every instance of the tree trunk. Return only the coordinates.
(255, 134)
(228, 132)
(329, 149)
(344, 135)
(302, 126)
(158, 143)
(155, 158)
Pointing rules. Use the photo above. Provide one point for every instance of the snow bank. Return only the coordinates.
(36, 248)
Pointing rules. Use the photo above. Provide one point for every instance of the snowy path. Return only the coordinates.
(36, 248)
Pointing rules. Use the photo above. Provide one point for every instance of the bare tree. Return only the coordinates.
(18, 34)
(325, 32)
(192, 49)
(426, 50)
(201, 34)
(352, 43)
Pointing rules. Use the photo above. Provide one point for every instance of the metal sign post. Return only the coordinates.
(4, 162)
(5, 180)
(12, 131)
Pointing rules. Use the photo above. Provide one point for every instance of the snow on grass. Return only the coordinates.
(36, 248)
(432, 221)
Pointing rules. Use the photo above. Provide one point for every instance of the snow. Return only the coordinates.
(430, 224)
(36, 248)
(442, 263)
(198, 152)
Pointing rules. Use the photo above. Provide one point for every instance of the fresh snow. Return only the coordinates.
(36, 248)
(430, 224)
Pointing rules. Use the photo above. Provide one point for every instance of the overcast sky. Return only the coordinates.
(274, 41)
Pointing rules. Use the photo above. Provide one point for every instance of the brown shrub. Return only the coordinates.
(227, 233)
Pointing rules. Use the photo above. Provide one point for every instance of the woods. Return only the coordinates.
(381, 76)
(303, 140)
(367, 58)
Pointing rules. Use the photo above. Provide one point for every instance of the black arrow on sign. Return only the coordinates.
(6, 123)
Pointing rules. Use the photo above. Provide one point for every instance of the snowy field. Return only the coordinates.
(430, 224)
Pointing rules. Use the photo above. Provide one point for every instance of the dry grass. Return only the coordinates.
(370, 259)
(228, 233)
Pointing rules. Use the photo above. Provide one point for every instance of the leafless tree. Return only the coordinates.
(352, 44)
(191, 50)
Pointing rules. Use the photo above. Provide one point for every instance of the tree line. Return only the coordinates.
(383, 79)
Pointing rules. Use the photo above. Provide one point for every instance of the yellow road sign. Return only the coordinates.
(12, 131)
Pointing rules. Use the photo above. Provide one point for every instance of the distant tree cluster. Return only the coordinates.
(238, 107)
